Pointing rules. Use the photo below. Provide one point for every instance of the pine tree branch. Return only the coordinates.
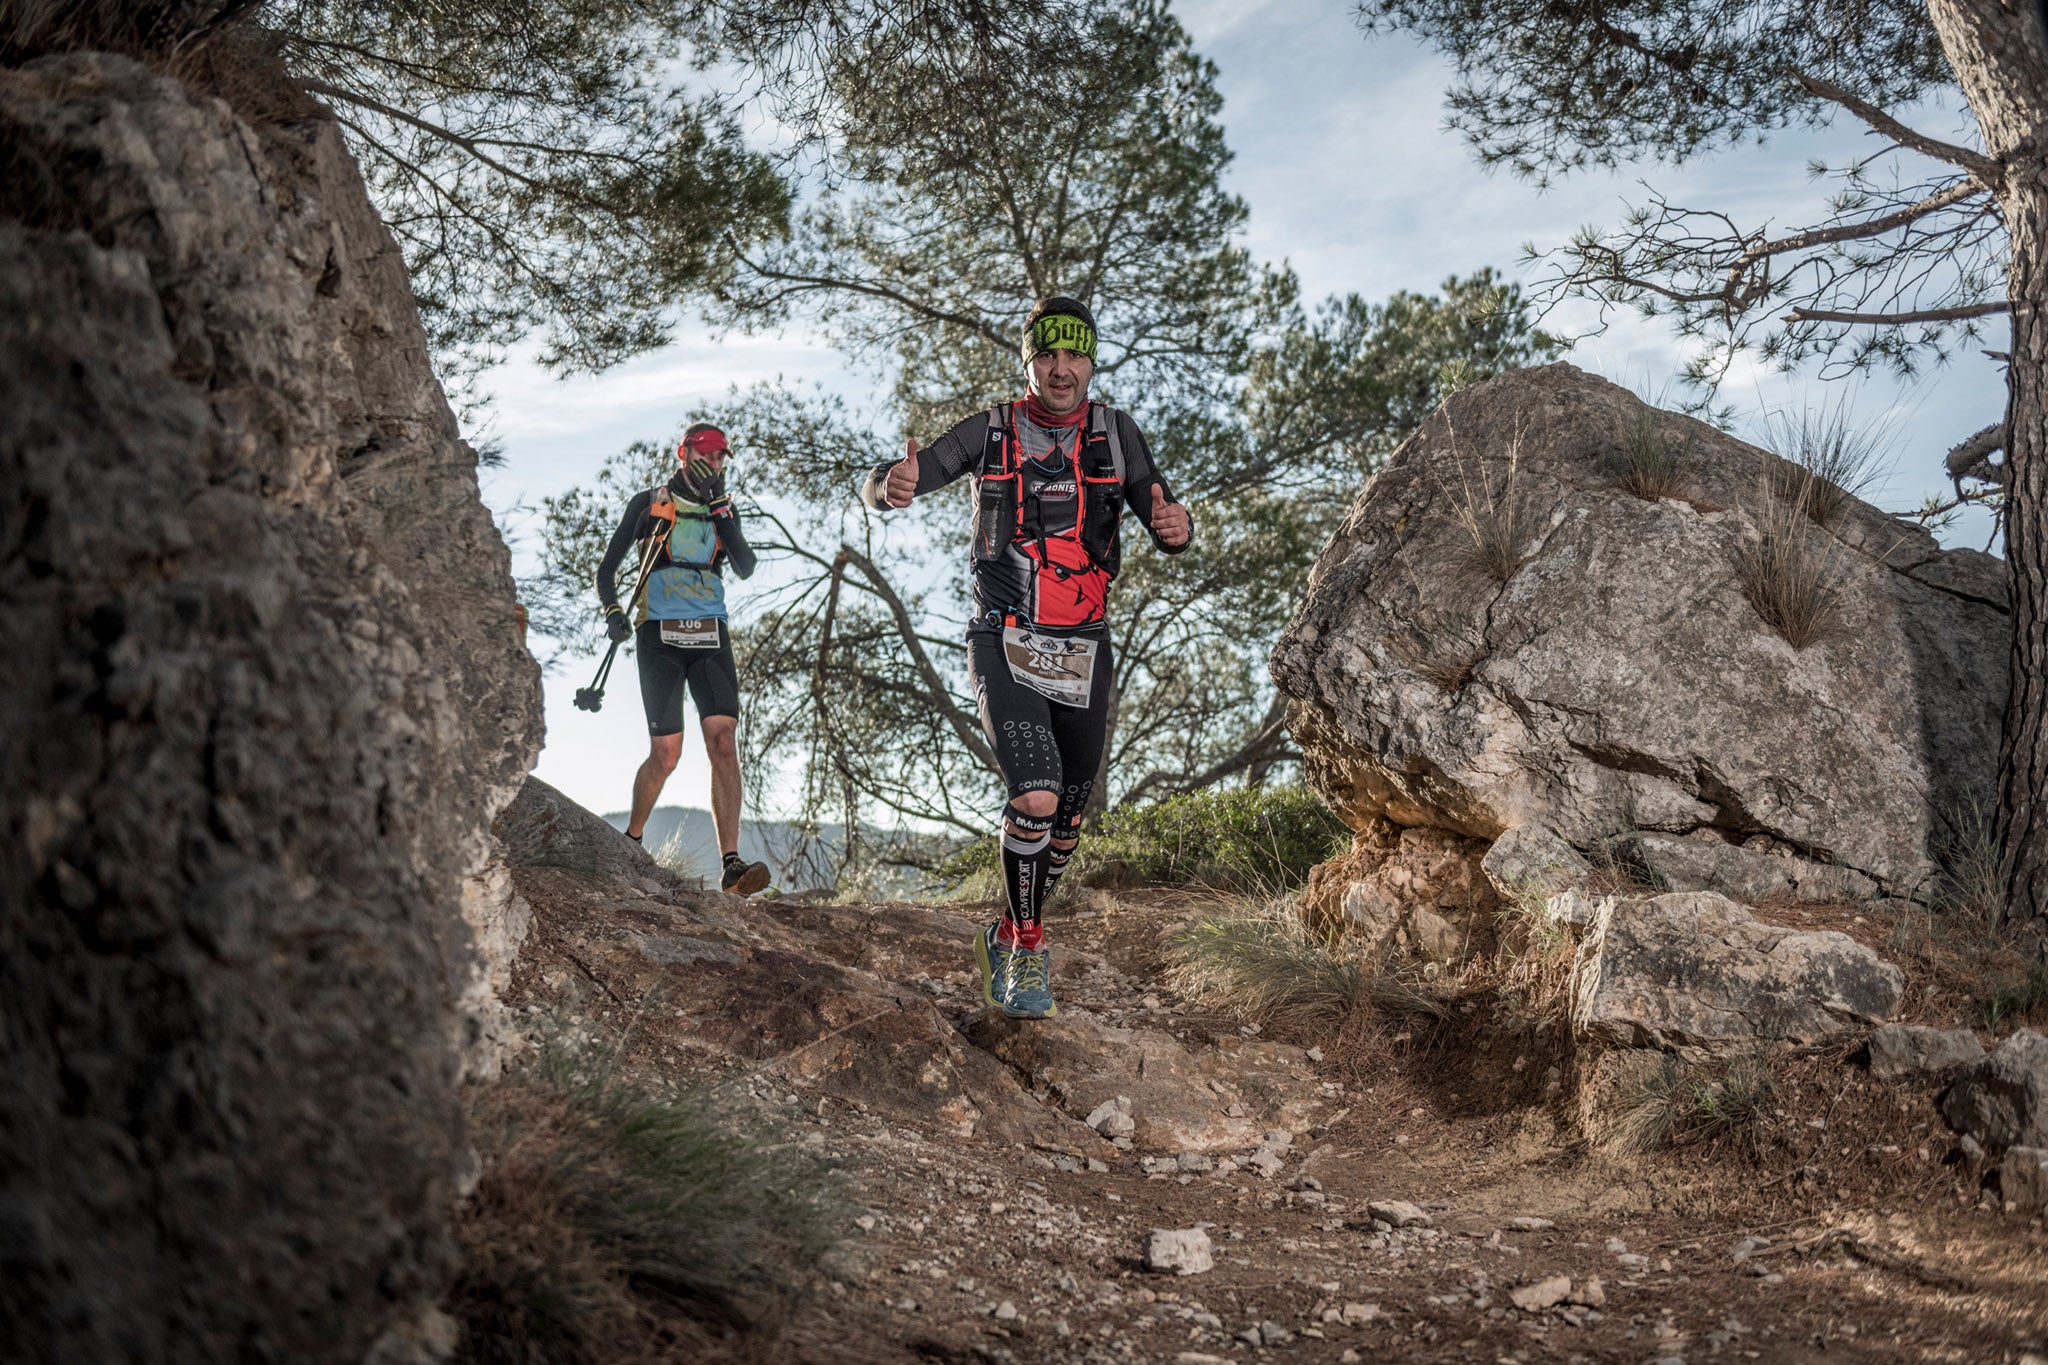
(1987, 173)
(1968, 310)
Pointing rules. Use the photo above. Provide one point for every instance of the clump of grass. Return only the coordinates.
(616, 1223)
(1829, 459)
(1681, 1103)
(1536, 953)
(1649, 1112)
(1491, 520)
(1791, 573)
(2017, 998)
(1647, 464)
(1258, 957)
(671, 854)
(1969, 887)
(1449, 669)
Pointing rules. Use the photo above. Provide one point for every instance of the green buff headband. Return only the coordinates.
(1058, 332)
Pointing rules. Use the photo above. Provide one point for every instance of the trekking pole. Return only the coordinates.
(591, 698)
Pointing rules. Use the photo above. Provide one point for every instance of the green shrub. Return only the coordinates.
(1244, 839)
(1263, 839)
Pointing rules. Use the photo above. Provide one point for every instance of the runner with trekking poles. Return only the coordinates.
(688, 531)
(1054, 474)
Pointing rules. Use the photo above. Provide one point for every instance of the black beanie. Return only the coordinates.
(1059, 337)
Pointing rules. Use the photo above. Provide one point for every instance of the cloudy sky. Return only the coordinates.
(1350, 178)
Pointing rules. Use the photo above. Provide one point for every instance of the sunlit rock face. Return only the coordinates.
(1603, 671)
(263, 693)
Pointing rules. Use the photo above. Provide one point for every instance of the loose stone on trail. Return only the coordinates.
(1183, 1251)
(1398, 1213)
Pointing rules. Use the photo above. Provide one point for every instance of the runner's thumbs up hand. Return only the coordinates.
(1170, 521)
(902, 485)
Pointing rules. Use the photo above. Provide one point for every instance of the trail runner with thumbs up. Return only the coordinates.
(682, 638)
(1054, 474)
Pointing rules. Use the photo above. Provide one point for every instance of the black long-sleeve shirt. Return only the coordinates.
(1004, 584)
(685, 582)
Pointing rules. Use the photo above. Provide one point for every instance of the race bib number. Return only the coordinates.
(698, 634)
(1060, 668)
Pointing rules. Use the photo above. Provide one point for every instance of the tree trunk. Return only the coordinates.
(2000, 55)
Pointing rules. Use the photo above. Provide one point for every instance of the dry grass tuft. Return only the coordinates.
(1490, 517)
(1449, 669)
(1683, 1103)
(1791, 573)
(1828, 459)
(1961, 949)
(1647, 464)
(1257, 957)
(612, 1224)
(1534, 956)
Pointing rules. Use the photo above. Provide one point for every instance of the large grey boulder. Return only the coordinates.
(261, 693)
(1618, 679)
(2002, 1099)
(1696, 970)
(1904, 1051)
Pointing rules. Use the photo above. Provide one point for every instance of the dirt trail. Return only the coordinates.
(986, 1232)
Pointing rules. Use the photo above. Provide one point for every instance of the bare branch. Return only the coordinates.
(1987, 173)
(1970, 310)
(966, 727)
(1969, 458)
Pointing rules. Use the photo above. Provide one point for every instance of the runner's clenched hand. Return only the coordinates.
(902, 485)
(1170, 521)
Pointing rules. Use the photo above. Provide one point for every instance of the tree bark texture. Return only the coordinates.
(1999, 49)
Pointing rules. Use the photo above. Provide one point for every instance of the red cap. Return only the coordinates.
(709, 441)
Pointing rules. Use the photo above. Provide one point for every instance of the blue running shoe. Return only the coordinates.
(1027, 987)
(993, 959)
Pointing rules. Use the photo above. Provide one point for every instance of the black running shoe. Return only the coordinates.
(743, 878)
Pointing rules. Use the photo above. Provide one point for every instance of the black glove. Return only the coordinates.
(699, 482)
(720, 506)
(618, 627)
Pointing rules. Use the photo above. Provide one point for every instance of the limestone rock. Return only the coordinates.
(1618, 678)
(1695, 969)
(263, 692)
(1547, 1292)
(1184, 1251)
(1398, 1213)
(2023, 1178)
(1531, 860)
(1705, 862)
(543, 828)
(1900, 1051)
(1417, 893)
(2001, 1100)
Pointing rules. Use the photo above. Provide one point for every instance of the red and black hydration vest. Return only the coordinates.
(1060, 522)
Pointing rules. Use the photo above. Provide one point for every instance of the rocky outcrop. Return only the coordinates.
(1417, 893)
(1695, 970)
(1900, 1052)
(263, 695)
(1601, 670)
(2001, 1099)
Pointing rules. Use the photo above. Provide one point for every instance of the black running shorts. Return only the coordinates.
(713, 680)
(1040, 744)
